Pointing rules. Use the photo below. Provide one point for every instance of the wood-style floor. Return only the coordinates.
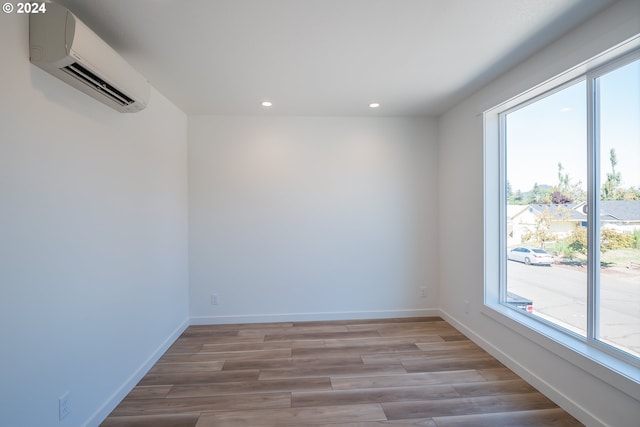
(407, 372)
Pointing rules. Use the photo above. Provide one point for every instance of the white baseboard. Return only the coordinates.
(306, 317)
(130, 383)
(543, 386)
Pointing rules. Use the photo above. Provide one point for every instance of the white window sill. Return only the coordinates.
(613, 371)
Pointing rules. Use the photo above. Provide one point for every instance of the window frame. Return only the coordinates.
(612, 365)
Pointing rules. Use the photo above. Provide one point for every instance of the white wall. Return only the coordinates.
(292, 218)
(461, 235)
(93, 241)
(299, 218)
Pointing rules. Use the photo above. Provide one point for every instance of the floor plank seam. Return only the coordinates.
(374, 372)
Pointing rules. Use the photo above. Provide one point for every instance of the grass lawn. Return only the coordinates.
(621, 258)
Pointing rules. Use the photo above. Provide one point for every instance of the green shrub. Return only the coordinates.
(611, 240)
(577, 240)
(563, 249)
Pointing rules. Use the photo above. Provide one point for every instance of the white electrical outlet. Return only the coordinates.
(214, 299)
(64, 406)
(423, 292)
(466, 307)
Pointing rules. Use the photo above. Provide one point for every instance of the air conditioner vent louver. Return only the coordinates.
(90, 79)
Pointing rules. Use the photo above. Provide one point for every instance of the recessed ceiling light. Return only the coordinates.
(266, 103)
(374, 105)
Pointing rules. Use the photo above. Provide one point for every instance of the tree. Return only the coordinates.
(538, 194)
(577, 192)
(563, 179)
(631, 193)
(560, 198)
(610, 190)
(518, 198)
(561, 194)
(541, 232)
(566, 191)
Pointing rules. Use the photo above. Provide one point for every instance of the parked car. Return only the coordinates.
(531, 256)
(519, 302)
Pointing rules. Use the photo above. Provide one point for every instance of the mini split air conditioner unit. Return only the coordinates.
(62, 45)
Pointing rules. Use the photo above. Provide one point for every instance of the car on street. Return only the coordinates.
(530, 256)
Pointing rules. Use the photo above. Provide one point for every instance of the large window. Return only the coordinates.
(563, 250)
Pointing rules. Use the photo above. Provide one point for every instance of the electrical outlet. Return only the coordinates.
(214, 299)
(423, 292)
(64, 406)
(466, 307)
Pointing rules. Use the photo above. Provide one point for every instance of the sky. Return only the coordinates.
(554, 129)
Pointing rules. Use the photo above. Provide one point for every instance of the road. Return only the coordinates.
(559, 294)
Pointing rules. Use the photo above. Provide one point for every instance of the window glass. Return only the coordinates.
(546, 175)
(618, 305)
(562, 210)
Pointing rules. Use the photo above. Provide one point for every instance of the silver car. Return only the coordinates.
(531, 256)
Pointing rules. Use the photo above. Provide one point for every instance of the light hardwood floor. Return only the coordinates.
(406, 372)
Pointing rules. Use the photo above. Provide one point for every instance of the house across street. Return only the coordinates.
(622, 216)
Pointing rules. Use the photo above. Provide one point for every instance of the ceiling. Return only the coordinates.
(327, 57)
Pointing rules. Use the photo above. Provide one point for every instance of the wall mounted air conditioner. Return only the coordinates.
(65, 47)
